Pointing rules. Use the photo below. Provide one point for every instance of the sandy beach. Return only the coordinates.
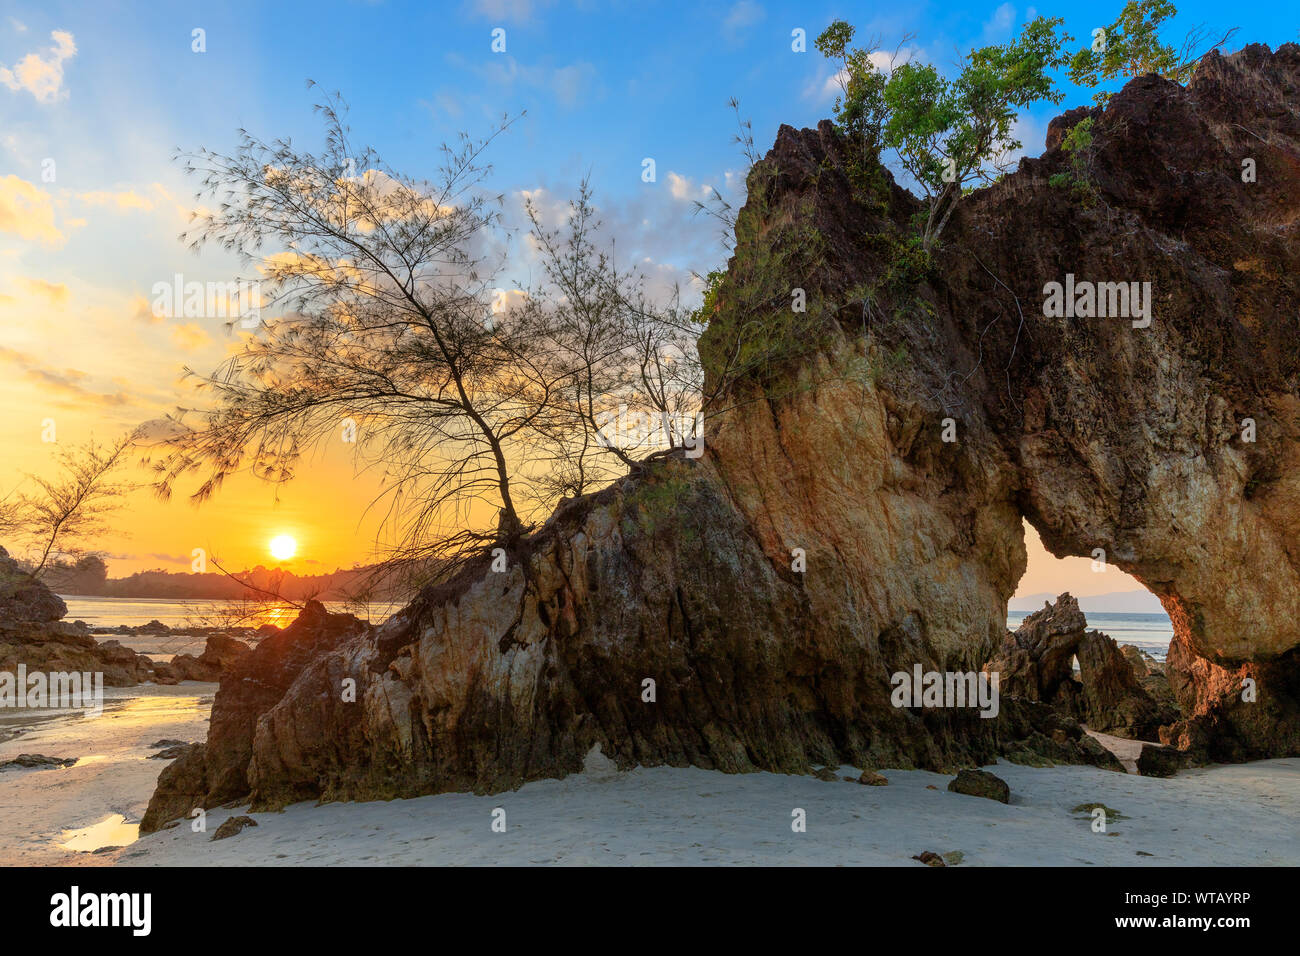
(111, 782)
(1243, 815)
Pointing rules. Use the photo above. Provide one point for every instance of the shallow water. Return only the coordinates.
(113, 830)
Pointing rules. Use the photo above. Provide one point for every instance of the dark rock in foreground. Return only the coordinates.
(981, 783)
(23, 599)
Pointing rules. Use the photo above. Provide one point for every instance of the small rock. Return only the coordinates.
(1156, 761)
(233, 826)
(930, 786)
(954, 857)
(825, 773)
(1144, 853)
(166, 742)
(872, 779)
(981, 783)
(38, 762)
(930, 859)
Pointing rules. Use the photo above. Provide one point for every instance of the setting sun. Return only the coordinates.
(283, 547)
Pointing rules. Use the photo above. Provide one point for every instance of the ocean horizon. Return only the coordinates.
(1152, 632)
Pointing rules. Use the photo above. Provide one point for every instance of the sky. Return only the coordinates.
(96, 100)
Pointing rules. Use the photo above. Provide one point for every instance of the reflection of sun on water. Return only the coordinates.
(281, 616)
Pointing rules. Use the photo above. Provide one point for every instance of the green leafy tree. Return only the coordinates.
(860, 107)
(1131, 47)
(946, 134)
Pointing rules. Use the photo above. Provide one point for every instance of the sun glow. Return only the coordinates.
(283, 547)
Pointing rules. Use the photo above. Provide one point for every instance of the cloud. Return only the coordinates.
(56, 293)
(824, 89)
(42, 76)
(27, 211)
(190, 336)
(127, 199)
(519, 11)
(682, 188)
(740, 17)
(1000, 24)
(64, 388)
(568, 84)
(657, 229)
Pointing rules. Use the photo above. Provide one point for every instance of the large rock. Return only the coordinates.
(664, 618)
(1112, 698)
(1136, 441)
(1037, 660)
(220, 652)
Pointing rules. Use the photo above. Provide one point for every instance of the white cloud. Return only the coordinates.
(123, 200)
(1000, 24)
(569, 84)
(742, 15)
(27, 211)
(682, 188)
(42, 76)
(519, 11)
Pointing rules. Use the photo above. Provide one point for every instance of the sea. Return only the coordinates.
(181, 613)
(1151, 632)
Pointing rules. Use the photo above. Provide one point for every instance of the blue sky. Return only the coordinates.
(103, 94)
(605, 84)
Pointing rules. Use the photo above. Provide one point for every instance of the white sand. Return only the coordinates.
(1240, 815)
(1232, 815)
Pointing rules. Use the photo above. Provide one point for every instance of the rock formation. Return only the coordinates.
(32, 633)
(1037, 663)
(892, 436)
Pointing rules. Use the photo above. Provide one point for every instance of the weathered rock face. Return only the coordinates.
(1134, 440)
(833, 450)
(1247, 712)
(503, 678)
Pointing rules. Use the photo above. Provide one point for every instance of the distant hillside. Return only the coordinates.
(1116, 602)
(90, 576)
